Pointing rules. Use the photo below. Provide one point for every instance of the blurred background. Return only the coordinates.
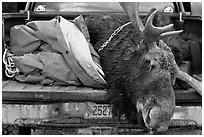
(12, 7)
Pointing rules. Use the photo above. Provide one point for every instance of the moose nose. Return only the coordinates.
(153, 120)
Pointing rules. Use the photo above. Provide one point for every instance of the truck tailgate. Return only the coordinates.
(15, 92)
(38, 106)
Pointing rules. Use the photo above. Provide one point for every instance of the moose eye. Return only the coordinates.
(153, 67)
(148, 65)
(147, 61)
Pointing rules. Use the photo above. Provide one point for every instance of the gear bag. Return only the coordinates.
(64, 55)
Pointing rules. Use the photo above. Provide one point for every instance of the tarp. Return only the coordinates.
(65, 52)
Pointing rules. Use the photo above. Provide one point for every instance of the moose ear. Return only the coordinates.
(132, 10)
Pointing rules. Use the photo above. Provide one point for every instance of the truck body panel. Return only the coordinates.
(63, 107)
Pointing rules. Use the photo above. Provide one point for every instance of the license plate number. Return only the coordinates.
(100, 111)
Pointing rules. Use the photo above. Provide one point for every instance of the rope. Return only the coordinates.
(10, 69)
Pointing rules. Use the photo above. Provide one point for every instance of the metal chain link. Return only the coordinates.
(113, 35)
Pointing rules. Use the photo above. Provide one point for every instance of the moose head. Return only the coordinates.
(155, 73)
(139, 67)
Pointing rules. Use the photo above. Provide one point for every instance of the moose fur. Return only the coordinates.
(140, 68)
(120, 59)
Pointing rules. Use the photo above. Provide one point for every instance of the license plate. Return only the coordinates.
(99, 111)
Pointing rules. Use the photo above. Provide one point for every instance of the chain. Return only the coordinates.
(113, 35)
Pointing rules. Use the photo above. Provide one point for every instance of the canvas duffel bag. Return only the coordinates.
(68, 39)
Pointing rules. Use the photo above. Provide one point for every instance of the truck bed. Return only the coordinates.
(42, 107)
(16, 92)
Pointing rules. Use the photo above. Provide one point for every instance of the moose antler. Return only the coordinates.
(197, 85)
(151, 33)
(132, 9)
